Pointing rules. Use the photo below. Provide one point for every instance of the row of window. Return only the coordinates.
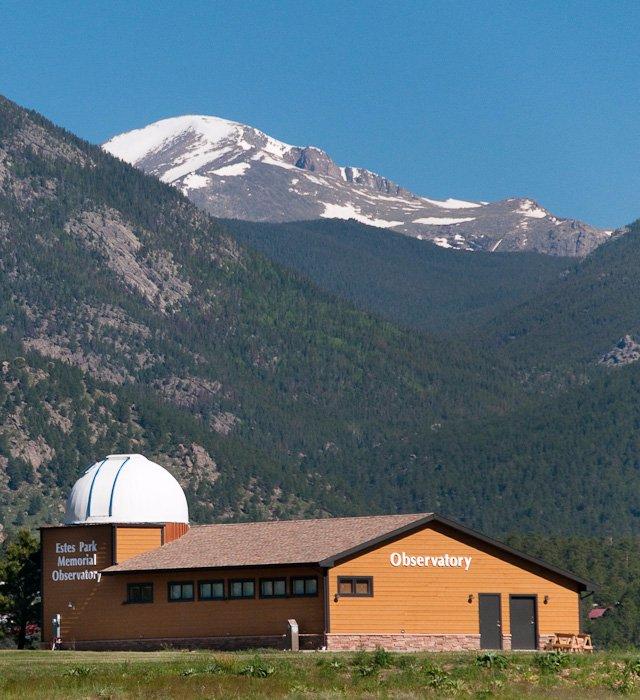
(349, 586)
(220, 590)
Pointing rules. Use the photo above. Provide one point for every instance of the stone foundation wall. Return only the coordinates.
(307, 641)
(544, 640)
(506, 642)
(403, 642)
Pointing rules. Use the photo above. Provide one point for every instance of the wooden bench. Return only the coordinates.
(570, 642)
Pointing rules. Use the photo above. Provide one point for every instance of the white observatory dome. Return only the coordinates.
(126, 489)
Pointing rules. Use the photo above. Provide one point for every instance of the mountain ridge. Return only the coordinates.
(235, 171)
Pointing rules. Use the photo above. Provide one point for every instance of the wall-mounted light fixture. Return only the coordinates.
(470, 598)
(335, 598)
(546, 600)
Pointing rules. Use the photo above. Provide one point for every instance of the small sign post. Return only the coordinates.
(293, 641)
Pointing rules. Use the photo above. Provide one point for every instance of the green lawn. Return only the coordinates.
(186, 675)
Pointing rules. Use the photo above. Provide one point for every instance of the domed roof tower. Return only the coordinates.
(126, 489)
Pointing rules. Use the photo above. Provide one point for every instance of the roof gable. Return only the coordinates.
(452, 524)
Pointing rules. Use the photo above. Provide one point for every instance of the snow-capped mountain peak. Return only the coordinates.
(236, 171)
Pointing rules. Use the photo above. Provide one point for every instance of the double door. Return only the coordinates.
(523, 621)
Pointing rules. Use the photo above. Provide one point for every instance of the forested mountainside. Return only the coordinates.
(405, 280)
(131, 321)
(580, 316)
(118, 275)
(55, 418)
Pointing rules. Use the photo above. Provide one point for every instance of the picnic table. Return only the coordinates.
(570, 642)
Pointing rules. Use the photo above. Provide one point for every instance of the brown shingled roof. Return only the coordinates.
(266, 543)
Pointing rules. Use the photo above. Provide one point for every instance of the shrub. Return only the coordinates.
(80, 671)
(633, 666)
(551, 661)
(382, 658)
(364, 671)
(492, 660)
(438, 679)
(257, 668)
(214, 668)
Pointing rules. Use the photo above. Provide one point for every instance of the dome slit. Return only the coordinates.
(93, 481)
(113, 488)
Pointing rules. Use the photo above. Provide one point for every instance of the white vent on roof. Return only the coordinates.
(126, 489)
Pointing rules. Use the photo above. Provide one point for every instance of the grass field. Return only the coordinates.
(186, 675)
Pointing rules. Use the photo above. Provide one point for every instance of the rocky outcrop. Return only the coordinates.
(223, 422)
(153, 275)
(626, 351)
(315, 160)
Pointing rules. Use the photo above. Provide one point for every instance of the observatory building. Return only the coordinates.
(126, 571)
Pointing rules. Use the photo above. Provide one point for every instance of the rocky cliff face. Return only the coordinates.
(235, 171)
(626, 351)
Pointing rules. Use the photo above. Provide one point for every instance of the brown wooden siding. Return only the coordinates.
(99, 611)
(435, 600)
(174, 530)
(136, 540)
(74, 600)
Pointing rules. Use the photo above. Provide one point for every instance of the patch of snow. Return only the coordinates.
(403, 202)
(442, 242)
(495, 247)
(194, 182)
(313, 178)
(232, 170)
(134, 145)
(274, 147)
(193, 159)
(528, 208)
(348, 211)
(441, 221)
(262, 158)
(295, 181)
(453, 203)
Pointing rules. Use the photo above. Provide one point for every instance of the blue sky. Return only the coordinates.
(475, 100)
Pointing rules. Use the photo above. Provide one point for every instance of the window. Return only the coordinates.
(355, 586)
(180, 591)
(273, 587)
(211, 590)
(304, 585)
(140, 593)
(242, 588)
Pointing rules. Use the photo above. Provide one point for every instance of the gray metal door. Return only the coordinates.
(490, 622)
(524, 623)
